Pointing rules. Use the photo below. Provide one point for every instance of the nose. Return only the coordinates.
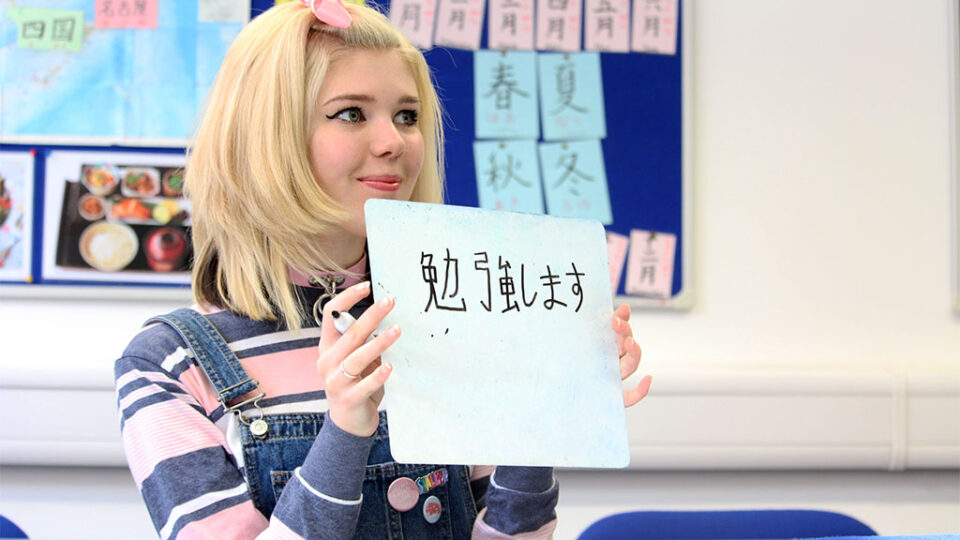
(387, 141)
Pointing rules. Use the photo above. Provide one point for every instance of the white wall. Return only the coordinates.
(822, 244)
(822, 220)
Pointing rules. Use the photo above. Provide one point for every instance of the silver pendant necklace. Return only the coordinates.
(329, 285)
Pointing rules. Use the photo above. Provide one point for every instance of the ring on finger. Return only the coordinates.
(346, 374)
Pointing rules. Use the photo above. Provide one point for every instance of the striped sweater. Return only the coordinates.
(184, 451)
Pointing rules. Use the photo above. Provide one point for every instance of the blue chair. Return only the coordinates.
(9, 529)
(713, 525)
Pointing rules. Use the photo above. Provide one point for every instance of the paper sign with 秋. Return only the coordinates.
(503, 316)
(650, 263)
(508, 176)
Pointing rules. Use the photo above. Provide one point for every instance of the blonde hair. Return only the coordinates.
(257, 207)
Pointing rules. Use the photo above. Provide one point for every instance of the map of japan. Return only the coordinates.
(121, 85)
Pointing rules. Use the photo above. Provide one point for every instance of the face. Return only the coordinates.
(366, 141)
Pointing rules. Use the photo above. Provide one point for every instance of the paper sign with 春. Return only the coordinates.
(607, 25)
(558, 25)
(575, 180)
(502, 312)
(508, 176)
(617, 254)
(47, 29)
(459, 23)
(655, 26)
(505, 95)
(510, 25)
(138, 14)
(650, 264)
(571, 96)
(415, 19)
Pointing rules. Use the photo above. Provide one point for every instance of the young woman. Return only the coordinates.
(249, 414)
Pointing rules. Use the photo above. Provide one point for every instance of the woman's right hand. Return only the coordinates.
(353, 402)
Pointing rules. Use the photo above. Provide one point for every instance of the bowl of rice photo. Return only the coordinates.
(108, 246)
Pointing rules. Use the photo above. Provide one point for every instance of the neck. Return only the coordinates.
(345, 249)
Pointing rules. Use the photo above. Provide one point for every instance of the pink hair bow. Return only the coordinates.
(331, 12)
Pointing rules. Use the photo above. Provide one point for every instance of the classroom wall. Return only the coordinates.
(822, 196)
(822, 252)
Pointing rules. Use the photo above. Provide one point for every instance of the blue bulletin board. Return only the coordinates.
(647, 150)
(646, 155)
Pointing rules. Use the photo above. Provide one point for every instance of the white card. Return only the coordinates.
(655, 26)
(559, 25)
(510, 25)
(607, 25)
(458, 23)
(498, 362)
(617, 253)
(415, 19)
(650, 263)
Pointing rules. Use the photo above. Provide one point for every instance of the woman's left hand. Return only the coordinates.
(629, 351)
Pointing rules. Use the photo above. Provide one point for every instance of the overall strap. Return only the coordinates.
(214, 356)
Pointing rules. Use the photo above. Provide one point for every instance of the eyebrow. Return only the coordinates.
(363, 98)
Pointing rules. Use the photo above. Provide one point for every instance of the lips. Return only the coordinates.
(386, 182)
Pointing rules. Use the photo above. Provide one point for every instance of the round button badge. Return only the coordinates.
(432, 509)
(403, 494)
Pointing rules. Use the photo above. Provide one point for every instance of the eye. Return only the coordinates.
(350, 114)
(407, 117)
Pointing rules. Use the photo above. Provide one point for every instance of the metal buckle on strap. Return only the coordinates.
(231, 408)
(236, 408)
(258, 427)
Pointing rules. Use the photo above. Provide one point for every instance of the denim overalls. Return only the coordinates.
(269, 460)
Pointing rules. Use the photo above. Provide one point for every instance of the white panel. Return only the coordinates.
(760, 420)
(59, 415)
(690, 421)
(927, 423)
(799, 457)
(60, 453)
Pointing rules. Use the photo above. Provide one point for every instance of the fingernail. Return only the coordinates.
(386, 301)
(394, 330)
(363, 286)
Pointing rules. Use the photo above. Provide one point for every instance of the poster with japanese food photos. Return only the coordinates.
(116, 217)
(16, 215)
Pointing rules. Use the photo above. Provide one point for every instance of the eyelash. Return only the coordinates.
(412, 114)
